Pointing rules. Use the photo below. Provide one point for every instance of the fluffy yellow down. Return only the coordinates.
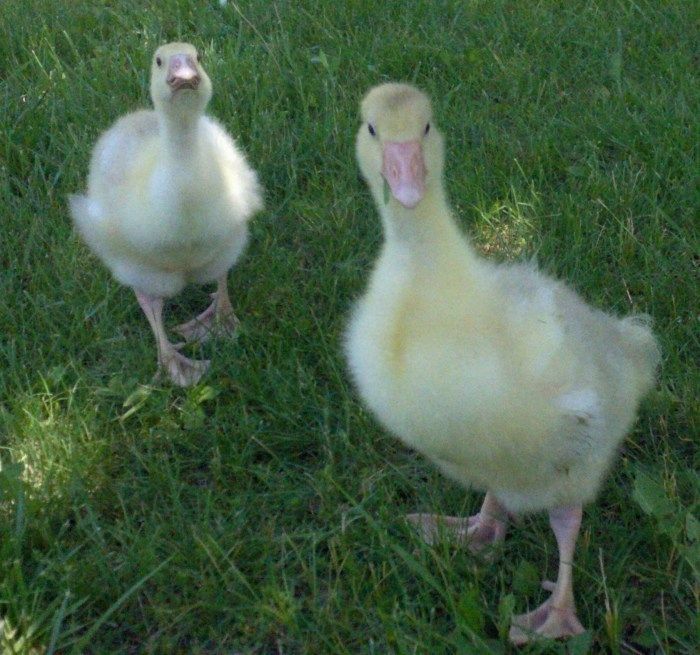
(503, 377)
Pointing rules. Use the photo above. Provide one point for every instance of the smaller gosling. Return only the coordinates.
(168, 201)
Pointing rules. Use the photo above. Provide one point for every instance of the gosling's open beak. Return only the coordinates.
(182, 73)
(403, 167)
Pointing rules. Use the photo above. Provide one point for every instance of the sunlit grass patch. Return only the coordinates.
(508, 228)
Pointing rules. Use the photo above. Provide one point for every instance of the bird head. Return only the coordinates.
(179, 84)
(399, 149)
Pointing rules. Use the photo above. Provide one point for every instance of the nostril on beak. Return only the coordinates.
(182, 73)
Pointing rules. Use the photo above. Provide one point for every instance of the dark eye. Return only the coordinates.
(370, 127)
(199, 57)
(427, 128)
(159, 61)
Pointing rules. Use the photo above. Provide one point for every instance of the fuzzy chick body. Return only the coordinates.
(489, 372)
(160, 214)
(502, 376)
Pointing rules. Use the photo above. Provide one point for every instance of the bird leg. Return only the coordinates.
(556, 617)
(486, 528)
(217, 318)
(182, 371)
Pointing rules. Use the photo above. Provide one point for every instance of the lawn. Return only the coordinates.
(260, 512)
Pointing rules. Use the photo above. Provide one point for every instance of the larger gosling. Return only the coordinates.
(168, 201)
(501, 376)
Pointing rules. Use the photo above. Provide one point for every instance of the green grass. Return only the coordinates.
(261, 511)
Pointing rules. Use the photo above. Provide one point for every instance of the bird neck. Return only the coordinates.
(428, 231)
(180, 132)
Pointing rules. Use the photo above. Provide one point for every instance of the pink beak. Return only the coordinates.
(182, 73)
(403, 168)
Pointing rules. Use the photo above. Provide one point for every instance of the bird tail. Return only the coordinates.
(643, 348)
(88, 219)
(85, 212)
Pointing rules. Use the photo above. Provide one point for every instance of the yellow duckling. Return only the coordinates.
(168, 201)
(501, 376)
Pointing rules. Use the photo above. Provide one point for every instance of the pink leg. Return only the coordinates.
(218, 317)
(556, 617)
(181, 370)
(479, 531)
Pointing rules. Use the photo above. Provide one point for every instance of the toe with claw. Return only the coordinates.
(477, 532)
(183, 372)
(216, 320)
(548, 621)
(484, 529)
